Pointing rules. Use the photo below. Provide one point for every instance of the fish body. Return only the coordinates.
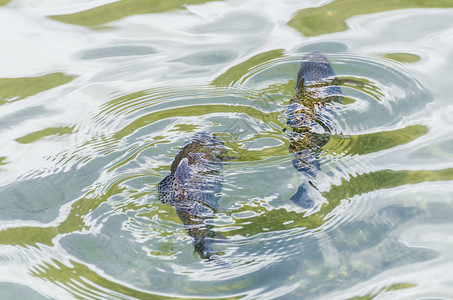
(310, 120)
(193, 185)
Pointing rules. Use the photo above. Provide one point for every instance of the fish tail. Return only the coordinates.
(203, 246)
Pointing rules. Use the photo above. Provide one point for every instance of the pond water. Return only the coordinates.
(98, 96)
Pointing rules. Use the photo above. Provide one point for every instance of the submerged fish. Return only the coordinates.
(310, 120)
(193, 186)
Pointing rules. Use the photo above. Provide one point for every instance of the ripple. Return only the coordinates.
(91, 126)
(134, 136)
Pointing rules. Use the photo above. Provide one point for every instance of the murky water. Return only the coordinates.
(97, 97)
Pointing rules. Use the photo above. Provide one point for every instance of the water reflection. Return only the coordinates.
(14, 89)
(120, 9)
(332, 16)
(82, 282)
(137, 134)
(117, 51)
(83, 154)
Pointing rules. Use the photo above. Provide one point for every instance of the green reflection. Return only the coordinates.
(401, 286)
(121, 9)
(84, 283)
(277, 219)
(12, 89)
(193, 111)
(24, 236)
(121, 102)
(383, 179)
(393, 287)
(374, 142)
(402, 57)
(273, 219)
(331, 17)
(235, 73)
(185, 128)
(32, 236)
(363, 85)
(247, 155)
(278, 89)
(4, 2)
(37, 135)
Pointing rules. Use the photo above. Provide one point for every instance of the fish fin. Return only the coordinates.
(302, 197)
(203, 246)
(179, 183)
(183, 171)
(300, 85)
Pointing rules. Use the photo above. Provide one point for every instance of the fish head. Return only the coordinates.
(316, 75)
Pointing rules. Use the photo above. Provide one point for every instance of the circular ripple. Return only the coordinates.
(136, 136)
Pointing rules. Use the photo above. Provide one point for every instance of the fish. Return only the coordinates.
(193, 188)
(310, 120)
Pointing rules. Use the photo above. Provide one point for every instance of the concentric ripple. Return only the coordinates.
(136, 135)
(91, 124)
(116, 216)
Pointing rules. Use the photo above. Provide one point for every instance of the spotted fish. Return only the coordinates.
(309, 118)
(193, 186)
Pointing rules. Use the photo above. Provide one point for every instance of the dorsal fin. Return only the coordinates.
(183, 170)
(179, 184)
(300, 85)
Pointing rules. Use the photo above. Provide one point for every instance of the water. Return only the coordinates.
(98, 96)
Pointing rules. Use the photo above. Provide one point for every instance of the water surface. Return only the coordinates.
(98, 96)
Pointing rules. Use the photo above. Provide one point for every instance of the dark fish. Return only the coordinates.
(193, 187)
(310, 120)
